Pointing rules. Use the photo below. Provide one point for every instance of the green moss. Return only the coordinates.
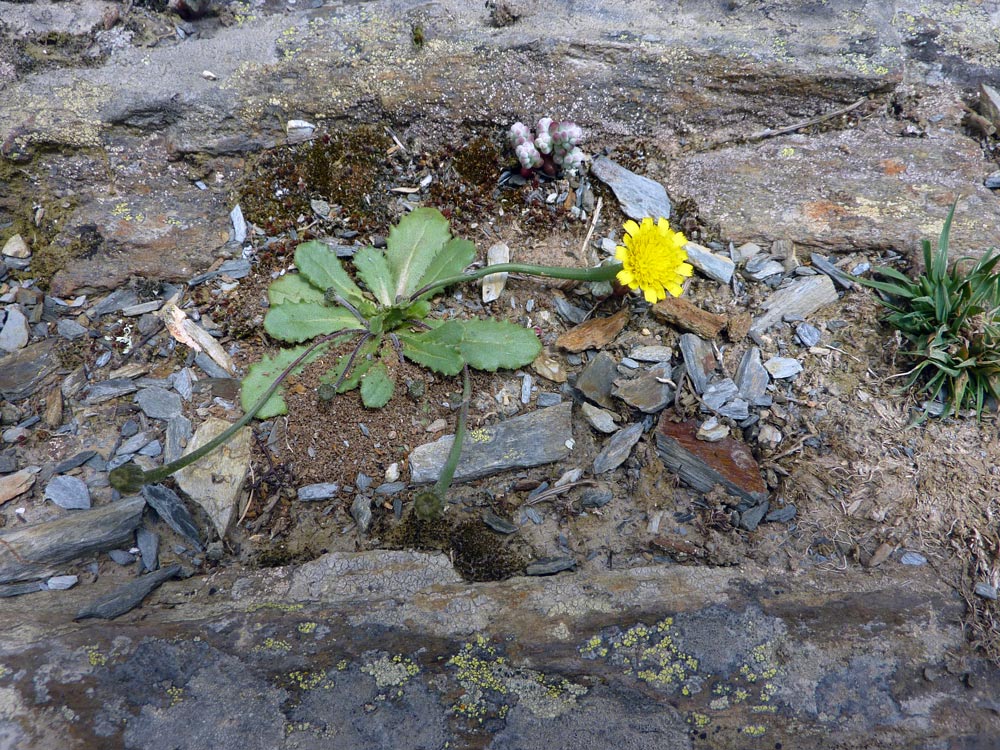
(479, 162)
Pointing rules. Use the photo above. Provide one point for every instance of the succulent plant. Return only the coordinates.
(551, 147)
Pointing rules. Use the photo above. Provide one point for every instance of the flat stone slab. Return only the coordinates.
(540, 437)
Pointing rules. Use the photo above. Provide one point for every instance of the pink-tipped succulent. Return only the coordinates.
(551, 148)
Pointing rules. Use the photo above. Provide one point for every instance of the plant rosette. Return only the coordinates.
(321, 307)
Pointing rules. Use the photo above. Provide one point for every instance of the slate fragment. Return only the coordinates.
(532, 439)
(597, 379)
(800, 299)
(639, 196)
(618, 448)
(548, 566)
(699, 360)
(170, 508)
(703, 465)
(127, 597)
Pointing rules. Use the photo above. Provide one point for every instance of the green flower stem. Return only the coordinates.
(131, 478)
(600, 273)
(448, 471)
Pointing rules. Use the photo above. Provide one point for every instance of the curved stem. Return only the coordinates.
(127, 479)
(600, 273)
(448, 471)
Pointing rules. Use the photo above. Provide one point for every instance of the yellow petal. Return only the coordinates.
(647, 224)
(626, 278)
(631, 227)
(685, 269)
(621, 253)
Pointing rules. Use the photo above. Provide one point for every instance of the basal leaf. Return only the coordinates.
(450, 261)
(300, 321)
(412, 246)
(292, 287)
(374, 271)
(428, 350)
(263, 374)
(322, 268)
(359, 366)
(492, 344)
(376, 386)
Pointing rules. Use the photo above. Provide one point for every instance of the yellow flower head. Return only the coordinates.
(653, 259)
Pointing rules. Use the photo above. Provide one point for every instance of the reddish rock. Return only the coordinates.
(703, 465)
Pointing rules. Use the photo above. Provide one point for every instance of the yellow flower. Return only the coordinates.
(653, 259)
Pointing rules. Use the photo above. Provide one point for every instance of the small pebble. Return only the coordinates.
(68, 492)
(781, 515)
(149, 548)
(133, 444)
(547, 566)
(159, 403)
(600, 419)
(807, 334)
(913, 558)
(121, 557)
(392, 472)
(61, 583)
(321, 491)
(389, 489)
(651, 354)
(712, 431)
(361, 511)
(69, 329)
(594, 498)
(783, 367)
(986, 591)
(546, 399)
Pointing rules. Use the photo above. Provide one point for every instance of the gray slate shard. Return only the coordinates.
(719, 393)
(750, 519)
(361, 511)
(546, 399)
(122, 557)
(22, 371)
(716, 267)
(127, 597)
(737, 409)
(321, 491)
(532, 439)
(149, 548)
(134, 443)
(597, 380)
(159, 403)
(548, 566)
(618, 448)
(68, 492)
(783, 367)
(807, 334)
(699, 359)
(14, 333)
(651, 353)
(239, 224)
(498, 524)
(72, 462)
(781, 515)
(178, 434)
(646, 392)
(985, 590)
(751, 377)
(639, 196)
(594, 498)
(569, 312)
(106, 390)
(388, 489)
(70, 329)
(117, 301)
(840, 278)
(171, 509)
(913, 558)
(151, 449)
(17, 589)
(802, 297)
(210, 367)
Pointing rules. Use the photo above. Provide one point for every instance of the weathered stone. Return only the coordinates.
(320, 491)
(127, 597)
(215, 481)
(639, 196)
(39, 550)
(548, 566)
(719, 392)
(600, 419)
(361, 512)
(61, 583)
(549, 368)
(704, 465)
(170, 508)
(498, 524)
(807, 334)
(178, 434)
(716, 267)
(712, 430)
(783, 367)
(801, 298)
(98, 393)
(618, 448)
(159, 403)
(493, 285)
(651, 353)
(647, 392)
(762, 267)
(751, 377)
(687, 316)
(738, 409)
(594, 333)
(13, 485)
(14, 334)
(16, 247)
(71, 330)
(699, 360)
(532, 439)
(595, 498)
(750, 519)
(68, 492)
(149, 548)
(22, 372)
(597, 380)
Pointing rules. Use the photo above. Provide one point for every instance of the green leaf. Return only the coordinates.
(428, 350)
(362, 361)
(300, 321)
(376, 387)
(492, 344)
(412, 246)
(374, 271)
(450, 261)
(322, 268)
(263, 374)
(292, 287)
